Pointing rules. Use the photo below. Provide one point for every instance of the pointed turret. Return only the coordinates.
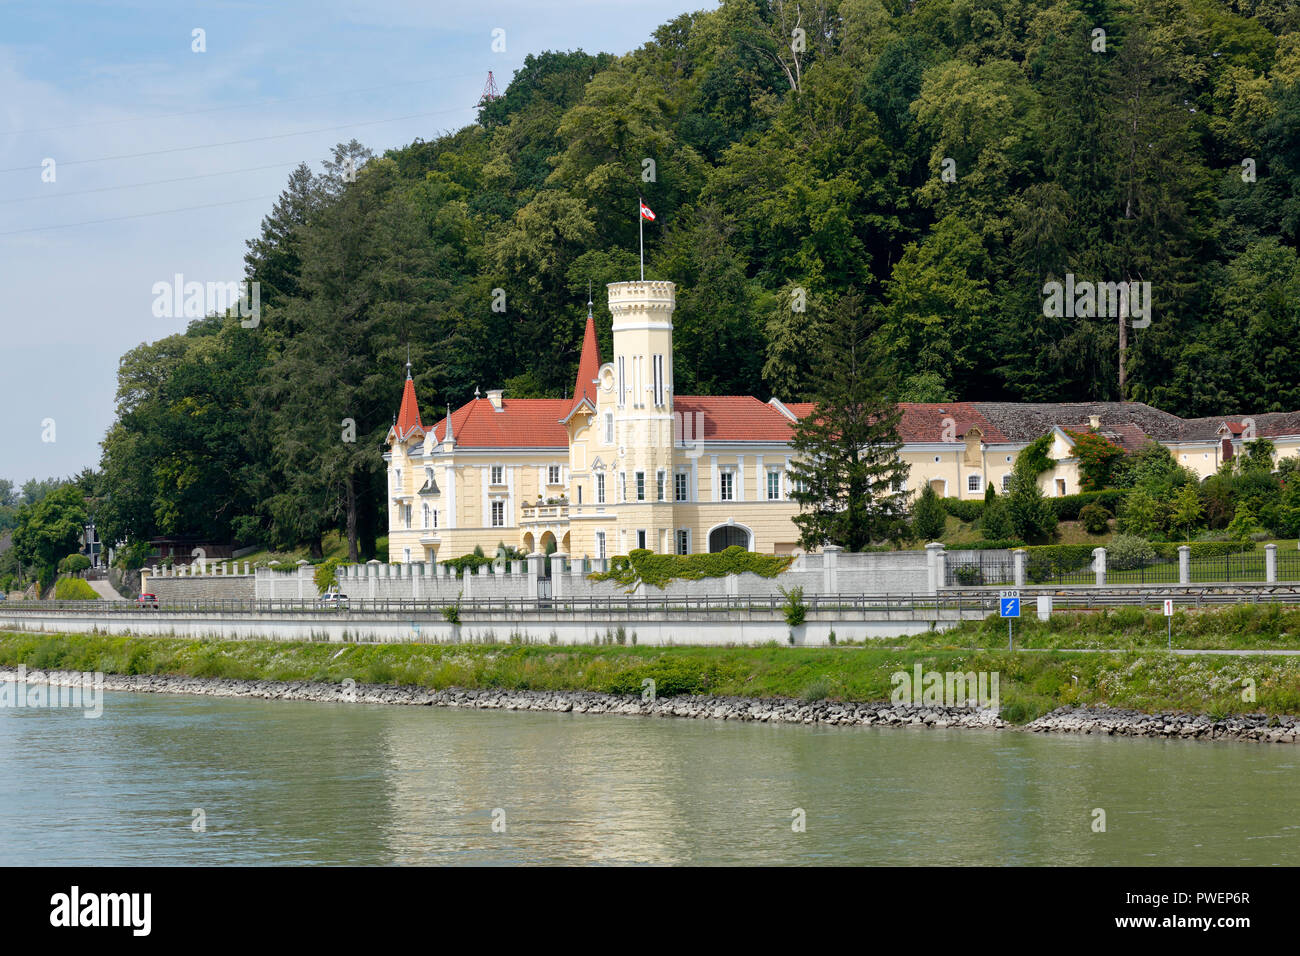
(408, 416)
(588, 364)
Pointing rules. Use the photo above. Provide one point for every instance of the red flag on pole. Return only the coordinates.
(646, 214)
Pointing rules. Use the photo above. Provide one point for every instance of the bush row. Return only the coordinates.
(658, 569)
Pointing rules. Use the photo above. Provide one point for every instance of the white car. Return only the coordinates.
(334, 599)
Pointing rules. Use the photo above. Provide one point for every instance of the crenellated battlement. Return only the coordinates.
(647, 300)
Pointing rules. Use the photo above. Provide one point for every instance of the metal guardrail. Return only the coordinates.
(954, 601)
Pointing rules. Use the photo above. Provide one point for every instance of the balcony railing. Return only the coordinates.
(538, 511)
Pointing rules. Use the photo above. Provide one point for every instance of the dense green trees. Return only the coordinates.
(945, 157)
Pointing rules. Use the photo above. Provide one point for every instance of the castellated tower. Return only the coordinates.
(643, 408)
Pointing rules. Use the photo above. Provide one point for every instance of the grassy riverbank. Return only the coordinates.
(1031, 684)
(1234, 627)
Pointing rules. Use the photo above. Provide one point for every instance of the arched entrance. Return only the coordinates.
(528, 543)
(729, 535)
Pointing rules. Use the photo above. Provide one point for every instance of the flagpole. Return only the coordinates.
(640, 228)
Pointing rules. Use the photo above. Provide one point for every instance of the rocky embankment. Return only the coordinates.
(1134, 723)
(1069, 720)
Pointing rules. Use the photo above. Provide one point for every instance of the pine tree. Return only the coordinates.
(929, 516)
(847, 474)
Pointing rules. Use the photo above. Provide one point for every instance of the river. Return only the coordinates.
(298, 783)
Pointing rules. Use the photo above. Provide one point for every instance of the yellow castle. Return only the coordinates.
(625, 463)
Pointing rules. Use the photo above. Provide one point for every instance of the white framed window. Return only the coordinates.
(799, 485)
(498, 514)
(683, 541)
(727, 486)
(427, 516)
(1006, 482)
(773, 485)
(609, 428)
(600, 487)
(972, 482)
(496, 475)
(622, 486)
(406, 513)
(640, 486)
(660, 481)
(579, 494)
(553, 474)
(681, 488)
(397, 481)
(640, 537)
(406, 555)
(659, 379)
(600, 544)
(435, 517)
(622, 384)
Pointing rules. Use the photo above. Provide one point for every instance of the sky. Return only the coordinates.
(165, 159)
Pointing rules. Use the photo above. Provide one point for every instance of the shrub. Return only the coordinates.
(1052, 560)
(1098, 459)
(1095, 518)
(1069, 507)
(644, 566)
(324, 574)
(74, 589)
(968, 574)
(997, 544)
(928, 515)
(794, 610)
(467, 562)
(997, 518)
(74, 564)
(1127, 551)
(963, 510)
(1031, 516)
(1205, 549)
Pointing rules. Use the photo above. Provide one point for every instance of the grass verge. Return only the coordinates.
(1030, 684)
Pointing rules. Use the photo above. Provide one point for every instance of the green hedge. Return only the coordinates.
(642, 565)
(1048, 560)
(1067, 507)
(74, 589)
(963, 510)
(1004, 544)
(466, 562)
(1203, 549)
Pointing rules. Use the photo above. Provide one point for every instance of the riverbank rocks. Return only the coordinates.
(1132, 723)
(1066, 720)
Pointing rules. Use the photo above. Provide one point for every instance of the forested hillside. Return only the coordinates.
(771, 170)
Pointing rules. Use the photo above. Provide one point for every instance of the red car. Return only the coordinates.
(148, 600)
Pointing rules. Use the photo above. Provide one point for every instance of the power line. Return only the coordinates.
(239, 142)
(224, 109)
(156, 182)
(141, 215)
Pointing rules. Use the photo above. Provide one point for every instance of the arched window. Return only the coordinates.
(728, 535)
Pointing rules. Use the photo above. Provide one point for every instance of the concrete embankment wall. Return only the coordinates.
(532, 626)
(830, 572)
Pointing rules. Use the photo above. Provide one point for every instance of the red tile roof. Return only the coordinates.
(521, 423)
(408, 417)
(731, 418)
(944, 421)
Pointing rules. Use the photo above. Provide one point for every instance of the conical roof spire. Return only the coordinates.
(589, 362)
(408, 416)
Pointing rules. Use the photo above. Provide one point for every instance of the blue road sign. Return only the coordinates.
(1009, 603)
